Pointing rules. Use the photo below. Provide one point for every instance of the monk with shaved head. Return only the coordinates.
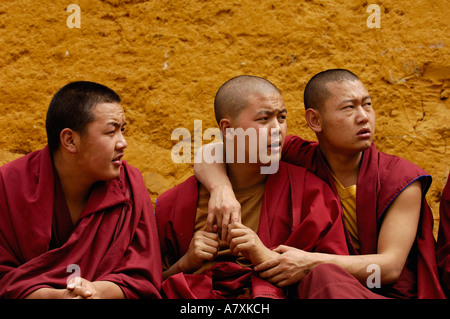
(290, 206)
(386, 217)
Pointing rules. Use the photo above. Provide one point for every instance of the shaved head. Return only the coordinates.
(232, 97)
(316, 92)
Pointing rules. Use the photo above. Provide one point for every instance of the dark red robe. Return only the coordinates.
(381, 178)
(115, 238)
(298, 210)
(443, 242)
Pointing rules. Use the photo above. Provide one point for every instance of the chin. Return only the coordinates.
(366, 145)
(112, 175)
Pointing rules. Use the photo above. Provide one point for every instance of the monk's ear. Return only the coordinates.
(314, 119)
(225, 124)
(68, 139)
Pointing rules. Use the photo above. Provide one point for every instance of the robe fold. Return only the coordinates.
(298, 210)
(443, 242)
(381, 179)
(329, 281)
(115, 238)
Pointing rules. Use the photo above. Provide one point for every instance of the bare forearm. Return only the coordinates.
(211, 175)
(45, 293)
(175, 269)
(395, 240)
(108, 290)
(360, 266)
(103, 290)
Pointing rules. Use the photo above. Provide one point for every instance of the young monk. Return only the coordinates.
(387, 219)
(291, 207)
(76, 221)
(443, 242)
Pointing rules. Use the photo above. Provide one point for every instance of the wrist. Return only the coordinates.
(219, 186)
(318, 259)
(183, 265)
(44, 293)
(106, 290)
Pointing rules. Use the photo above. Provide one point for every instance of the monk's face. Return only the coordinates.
(348, 119)
(102, 146)
(267, 112)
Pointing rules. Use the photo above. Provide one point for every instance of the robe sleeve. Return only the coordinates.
(321, 226)
(139, 272)
(443, 242)
(297, 151)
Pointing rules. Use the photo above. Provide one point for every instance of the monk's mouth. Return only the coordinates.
(118, 160)
(364, 133)
(275, 147)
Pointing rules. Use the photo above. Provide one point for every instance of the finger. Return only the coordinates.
(283, 283)
(238, 244)
(200, 243)
(281, 249)
(208, 235)
(270, 273)
(267, 265)
(225, 223)
(210, 218)
(235, 231)
(209, 245)
(277, 279)
(233, 216)
(206, 255)
(236, 216)
(82, 291)
(74, 282)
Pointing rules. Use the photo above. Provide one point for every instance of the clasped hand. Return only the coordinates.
(241, 240)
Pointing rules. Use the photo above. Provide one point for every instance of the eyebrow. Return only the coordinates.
(271, 112)
(116, 124)
(352, 100)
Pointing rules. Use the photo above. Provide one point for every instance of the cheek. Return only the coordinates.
(373, 120)
(283, 129)
(335, 131)
(100, 152)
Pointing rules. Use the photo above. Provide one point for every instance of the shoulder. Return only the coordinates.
(388, 163)
(394, 175)
(188, 186)
(297, 150)
(294, 140)
(23, 162)
(397, 173)
(133, 176)
(292, 169)
(310, 179)
(27, 168)
(182, 194)
(176, 204)
(303, 181)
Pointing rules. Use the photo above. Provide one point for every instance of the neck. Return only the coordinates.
(345, 167)
(76, 190)
(243, 174)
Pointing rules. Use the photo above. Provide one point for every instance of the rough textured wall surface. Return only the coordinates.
(167, 59)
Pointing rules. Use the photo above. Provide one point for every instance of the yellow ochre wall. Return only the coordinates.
(166, 59)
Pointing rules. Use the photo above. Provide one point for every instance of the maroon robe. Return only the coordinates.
(298, 210)
(443, 242)
(114, 239)
(381, 178)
